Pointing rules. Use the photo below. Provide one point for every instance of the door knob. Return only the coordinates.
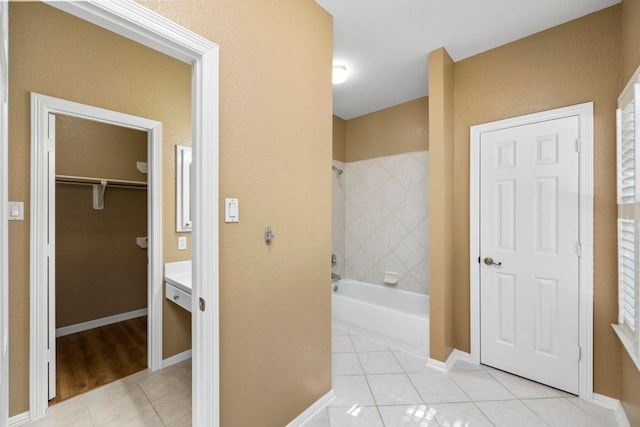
(490, 261)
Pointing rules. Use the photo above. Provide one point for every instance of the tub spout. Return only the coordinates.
(335, 276)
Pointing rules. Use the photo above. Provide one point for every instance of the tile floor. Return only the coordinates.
(161, 398)
(375, 385)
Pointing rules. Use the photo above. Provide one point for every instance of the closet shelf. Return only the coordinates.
(83, 180)
(99, 186)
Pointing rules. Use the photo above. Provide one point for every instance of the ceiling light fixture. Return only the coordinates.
(339, 74)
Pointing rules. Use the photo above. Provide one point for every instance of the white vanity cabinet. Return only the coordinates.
(177, 277)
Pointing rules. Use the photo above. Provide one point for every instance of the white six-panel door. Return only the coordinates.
(529, 251)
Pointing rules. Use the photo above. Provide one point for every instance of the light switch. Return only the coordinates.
(16, 211)
(182, 243)
(231, 210)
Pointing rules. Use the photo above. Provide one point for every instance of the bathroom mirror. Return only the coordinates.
(183, 188)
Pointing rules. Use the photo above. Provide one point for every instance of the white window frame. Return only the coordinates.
(628, 200)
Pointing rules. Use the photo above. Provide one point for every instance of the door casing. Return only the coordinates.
(141, 25)
(585, 114)
(42, 185)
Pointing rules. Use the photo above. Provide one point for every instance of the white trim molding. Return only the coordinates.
(41, 107)
(177, 358)
(313, 410)
(131, 20)
(97, 323)
(19, 420)
(615, 405)
(454, 356)
(585, 114)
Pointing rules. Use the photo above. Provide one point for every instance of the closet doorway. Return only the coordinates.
(96, 247)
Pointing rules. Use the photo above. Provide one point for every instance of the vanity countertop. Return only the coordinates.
(178, 274)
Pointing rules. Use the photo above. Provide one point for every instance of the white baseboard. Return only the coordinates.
(312, 410)
(20, 419)
(615, 405)
(454, 356)
(176, 358)
(91, 324)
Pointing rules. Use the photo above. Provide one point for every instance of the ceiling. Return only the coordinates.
(385, 43)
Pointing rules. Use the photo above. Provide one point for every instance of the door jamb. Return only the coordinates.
(41, 107)
(585, 114)
(141, 25)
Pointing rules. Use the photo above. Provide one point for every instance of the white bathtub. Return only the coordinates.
(394, 317)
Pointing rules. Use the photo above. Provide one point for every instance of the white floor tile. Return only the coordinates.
(346, 364)
(436, 387)
(560, 413)
(363, 344)
(411, 363)
(393, 389)
(351, 390)
(508, 413)
(338, 331)
(604, 417)
(408, 415)
(461, 365)
(523, 388)
(321, 419)
(380, 362)
(479, 386)
(341, 344)
(356, 416)
(460, 414)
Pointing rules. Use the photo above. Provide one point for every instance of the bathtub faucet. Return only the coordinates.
(335, 276)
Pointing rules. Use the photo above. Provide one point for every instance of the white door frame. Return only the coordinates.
(139, 24)
(41, 187)
(585, 114)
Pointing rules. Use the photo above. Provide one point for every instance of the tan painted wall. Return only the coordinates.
(339, 139)
(630, 30)
(55, 54)
(630, 60)
(395, 130)
(441, 179)
(569, 64)
(100, 271)
(275, 156)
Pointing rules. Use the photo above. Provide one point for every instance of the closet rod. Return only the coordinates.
(68, 179)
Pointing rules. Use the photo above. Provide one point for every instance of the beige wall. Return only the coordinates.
(630, 60)
(569, 64)
(100, 271)
(395, 130)
(441, 178)
(55, 54)
(339, 139)
(275, 156)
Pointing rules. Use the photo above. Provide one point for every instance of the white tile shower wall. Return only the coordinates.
(387, 220)
(339, 217)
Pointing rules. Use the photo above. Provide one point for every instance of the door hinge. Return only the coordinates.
(578, 145)
(579, 353)
(201, 303)
(579, 249)
(49, 355)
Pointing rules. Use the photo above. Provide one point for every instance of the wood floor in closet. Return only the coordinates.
(89, 359)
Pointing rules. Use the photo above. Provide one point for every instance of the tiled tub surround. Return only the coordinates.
(386, 227)
(338, 217)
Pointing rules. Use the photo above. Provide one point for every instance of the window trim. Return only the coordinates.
(629, 210)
